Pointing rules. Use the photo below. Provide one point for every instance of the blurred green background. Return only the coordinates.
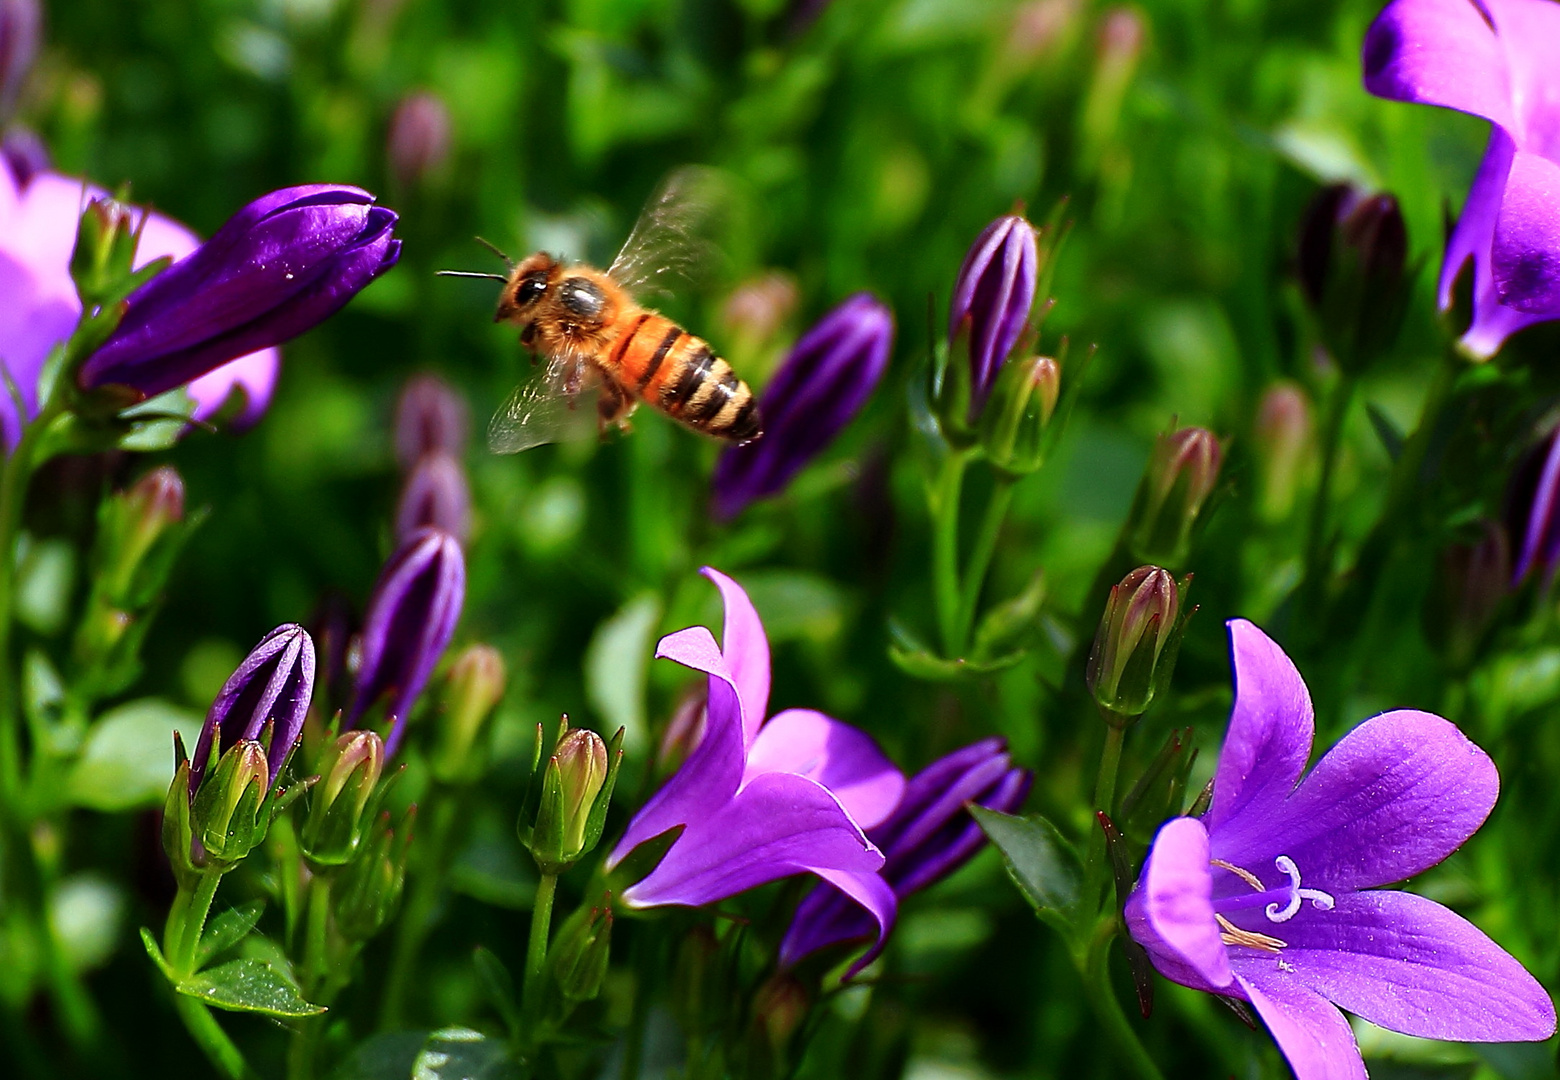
(870, 141)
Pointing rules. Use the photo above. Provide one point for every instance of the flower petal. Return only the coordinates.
(1526, 252)
(1408, 964)
(746, 649)
(1439, 52)
(1529, 33)
(1269, 740)
(879, 906)
(1313, 1034)
(842, 758)
(778, 825)
(1170, 913)
(1394, 797)
(254, 375)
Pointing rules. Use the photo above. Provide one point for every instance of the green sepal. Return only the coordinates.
(1006, 627)
(227, 929)
(1158, 793)
(642, 861)
(596, 822)
(1121, 873)
(178, 834)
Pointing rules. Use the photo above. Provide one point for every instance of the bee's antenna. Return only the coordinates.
(494, 249)
(469, 273)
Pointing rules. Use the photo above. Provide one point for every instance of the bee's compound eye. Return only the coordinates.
(582, 297)
(531, 289)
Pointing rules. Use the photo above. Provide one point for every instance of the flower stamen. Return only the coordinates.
(1231, 934)
(1245, 875)
(1319, 899)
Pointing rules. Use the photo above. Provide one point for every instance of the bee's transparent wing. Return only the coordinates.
(672, 240)
(556, 404)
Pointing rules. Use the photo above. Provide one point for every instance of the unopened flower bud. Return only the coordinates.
(576, 788)
(1474, 579)
(436, 495)
(430, 417)
(1118, 49)
(1014, 422)
(1136, 645)
(779, 1007)
(1353, 248)
(229, 815)
(349, 771)
(1282, 443)
(992, 300)
(146, 513)
(580, 950)
(368, 890)
(758, 308)
(418, 144)
(472, 690)
(101, 261)
(1181, 474)
(21, 28)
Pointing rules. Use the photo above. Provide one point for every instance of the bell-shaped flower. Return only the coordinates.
(757, 801)
(38, 220)
(411, 618)
(272, 686)
(1500, 60)
(823, 383)
(1272, 898)
(929, 835)
(284, 263)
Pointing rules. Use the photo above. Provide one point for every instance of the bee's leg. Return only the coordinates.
(612, 405)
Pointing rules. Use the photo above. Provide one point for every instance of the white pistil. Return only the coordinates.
(1319, 899)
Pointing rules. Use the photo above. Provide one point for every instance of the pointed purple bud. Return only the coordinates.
(929, 835)
(995, 292)
(418, 145)
(436, 495)
(21, 27)
(1534, 508)
(281, 265)
(430, 417)
(272, 686)
(411, 618)
(822, 385)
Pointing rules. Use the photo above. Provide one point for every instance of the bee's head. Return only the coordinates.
(528, 283)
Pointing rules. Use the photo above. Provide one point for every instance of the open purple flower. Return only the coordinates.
(825, 380)
(411, 618)
(1270, 897)
(273, 685)
(38, 220)
(760, 801)
(929, 835)
(995, 292)
(1498, 59)
(282, 264)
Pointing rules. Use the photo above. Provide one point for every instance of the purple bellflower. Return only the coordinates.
(929, 835)
(411, 618)
(760, 801)
(1498, 59)
(282, 264)
(274, 684)
(1270, 897)
(1535, 508)
(39, 214)
(436, 494)
(994, 293)
(824, 382)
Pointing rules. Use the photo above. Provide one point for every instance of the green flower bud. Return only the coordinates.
(1014, 422)
(339, 805)
(1181, 474)
(779, 1008)
(178, 837)
(100, 263)
(368, 890)
(472, 690)
(577, 785)
(1282, 443)
(231, 815)
(578, 957)
(1135, 647)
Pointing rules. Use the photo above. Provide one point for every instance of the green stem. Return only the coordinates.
(315, 970)
(1110, 765)
(212, 1040)
(194, 922)
(1097, 988)
(980, 557)
(422, 897)
(1332, 441)
(536, 950)
(944, 503)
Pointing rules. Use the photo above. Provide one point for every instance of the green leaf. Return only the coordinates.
(462, 1054)
(390, 1056)
(149, 942)
(87, 910)
(128, 758)
(1391, 436)
(1039, 860)
(228, 929)
(248, 986)
(44, 582)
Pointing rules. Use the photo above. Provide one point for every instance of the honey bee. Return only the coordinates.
(595, 337)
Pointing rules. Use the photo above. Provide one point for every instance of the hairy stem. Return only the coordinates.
(213, 1041)
(980, 557)
(536, 949)
(943, 501)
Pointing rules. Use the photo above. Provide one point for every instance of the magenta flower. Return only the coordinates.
(760, 801)
(1498, 59)
(1271, 896)
(38, 219)
(825, 381)
(929, 835)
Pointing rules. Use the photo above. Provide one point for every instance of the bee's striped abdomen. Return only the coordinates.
(680, 375)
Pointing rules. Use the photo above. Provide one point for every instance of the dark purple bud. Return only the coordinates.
(419, 141)
(820, 387)
(430, 417)
(272, 685)
(281, 265)
(411, 618)
(24, 154)
(21, 27)
(333, 624)
(929, 836)
(436, 494)
(1533, 508)
(993, 297)
(1352, 254)
(1474, 579)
